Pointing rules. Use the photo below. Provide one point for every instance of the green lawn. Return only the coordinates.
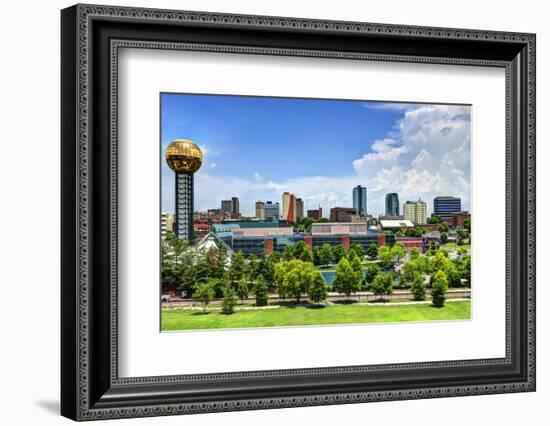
(453, 245)
(333, 314)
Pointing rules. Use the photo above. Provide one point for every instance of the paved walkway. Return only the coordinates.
(254, 308)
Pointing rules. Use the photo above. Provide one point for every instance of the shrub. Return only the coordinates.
(260, 290)
(318, 290)
(418, 288)
(439, 289)
(229, 300)
(382, 284)
(204, 293)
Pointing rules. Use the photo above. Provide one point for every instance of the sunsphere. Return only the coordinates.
(183, 156)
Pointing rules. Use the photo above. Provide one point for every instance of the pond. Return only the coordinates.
(329, 276)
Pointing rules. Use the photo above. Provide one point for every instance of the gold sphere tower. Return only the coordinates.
(184, 157)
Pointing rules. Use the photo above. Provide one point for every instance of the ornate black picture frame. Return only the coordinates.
(91, 37)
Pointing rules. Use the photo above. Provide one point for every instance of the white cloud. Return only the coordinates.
(425, 154)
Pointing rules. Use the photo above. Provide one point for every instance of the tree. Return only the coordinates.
(414, 253)
(454, 276)
(174, 252)
(382, 284)
(372, 251)
(398, 251)
(238, 268)
(443, 227)
(204, 293)
(326, 254)
(443, 238)
(260, 291)
(468, 223)
(298, 278)
(410, 270)
(280, 270)
(303, 252)
(434, 219)
(466, 271)
(338, 252)
(318, 290)
(306, 223)
(439, 288)
(288, 253)
(346, 280)
(385, 256)
(218, 285)
(229, 300)
(418, 287)
(357, 267)
(422, 264)
(317, 256)
(358, 249)
(251, 268)
(372, 272)
(242, 289)
(440, 262)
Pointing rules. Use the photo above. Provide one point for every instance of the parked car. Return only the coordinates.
(165, 298)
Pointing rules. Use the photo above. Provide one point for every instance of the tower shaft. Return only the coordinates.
(184, 206)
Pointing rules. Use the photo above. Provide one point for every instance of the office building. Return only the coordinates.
(235, 206)
(299, 208)
(360, 200)
(341, 214)
(167, 221)
(289, 207)
(415, 211)
(227, 206)
(230, 207)
(392, 204)
(444, 205)
(260, 210)
(264, 239)
(271, 211)
(315, 214)
(184, 158)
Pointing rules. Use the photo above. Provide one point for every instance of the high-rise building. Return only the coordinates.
(415, 211)
(444, 205)
(184, 158)
(260, 210)
(299, 208)
(231, 207)
(341, 214)
(271, 211)
(392, 204)
(227, 206)
(289, 207)
(235, 206)
(360, 200)
(315, 214)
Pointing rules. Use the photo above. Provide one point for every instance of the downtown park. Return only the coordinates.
(300, 286)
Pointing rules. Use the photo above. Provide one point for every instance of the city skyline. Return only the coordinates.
(418, 151)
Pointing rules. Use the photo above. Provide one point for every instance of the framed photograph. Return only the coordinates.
(264, 212)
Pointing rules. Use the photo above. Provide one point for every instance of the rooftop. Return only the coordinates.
(396, 223)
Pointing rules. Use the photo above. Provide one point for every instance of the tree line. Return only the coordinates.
(291, 274)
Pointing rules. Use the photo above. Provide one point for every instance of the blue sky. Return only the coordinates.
(256, 148)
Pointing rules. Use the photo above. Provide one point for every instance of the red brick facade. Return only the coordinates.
(409, 242)
(345, 241)
(268, 246)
